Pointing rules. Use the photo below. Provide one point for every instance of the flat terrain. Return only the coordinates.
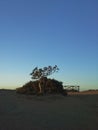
(51, 112)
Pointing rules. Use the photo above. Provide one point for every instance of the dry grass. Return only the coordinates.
(88, 92)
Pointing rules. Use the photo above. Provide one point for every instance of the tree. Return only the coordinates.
(41, 74)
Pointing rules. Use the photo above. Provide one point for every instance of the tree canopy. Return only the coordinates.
(37, 73)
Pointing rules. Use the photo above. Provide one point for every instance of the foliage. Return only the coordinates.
(52, 86)
(37, 73)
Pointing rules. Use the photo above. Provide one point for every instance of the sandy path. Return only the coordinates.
(20, 112)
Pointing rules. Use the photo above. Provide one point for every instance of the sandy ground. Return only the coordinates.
(51, 112)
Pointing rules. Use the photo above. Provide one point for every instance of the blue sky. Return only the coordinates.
(48, 32)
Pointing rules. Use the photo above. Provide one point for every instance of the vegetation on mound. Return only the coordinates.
(51, 86)
(42, 85)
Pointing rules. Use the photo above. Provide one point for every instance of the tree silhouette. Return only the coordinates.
(41, 74)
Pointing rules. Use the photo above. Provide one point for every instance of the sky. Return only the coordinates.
(49, 32)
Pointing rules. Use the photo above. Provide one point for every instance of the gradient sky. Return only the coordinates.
(48, 32)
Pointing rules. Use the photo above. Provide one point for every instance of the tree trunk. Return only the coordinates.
(42, 83)
(40, 89)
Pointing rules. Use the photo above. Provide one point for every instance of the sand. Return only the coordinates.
(51, 112)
